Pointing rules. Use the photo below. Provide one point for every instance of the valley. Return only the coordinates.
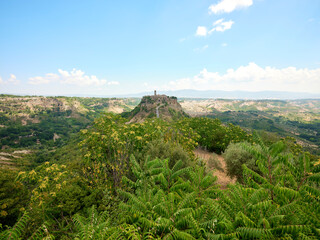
(32, 123)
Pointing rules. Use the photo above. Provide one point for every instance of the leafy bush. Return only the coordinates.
(13, 197)
(169, 202)
(214, 136)
(235, 156)
(111, 141)
(174, 152)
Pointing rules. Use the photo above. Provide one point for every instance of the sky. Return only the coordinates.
(104, 47)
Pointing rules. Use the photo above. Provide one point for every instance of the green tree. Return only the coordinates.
(13, 197)
(235, 156)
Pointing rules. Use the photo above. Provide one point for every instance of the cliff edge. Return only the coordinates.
(157, 106)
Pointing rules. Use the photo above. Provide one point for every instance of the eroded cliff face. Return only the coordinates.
(157, 106)
(29, 121)
(27, 109)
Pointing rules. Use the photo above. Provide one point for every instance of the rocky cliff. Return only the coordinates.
(157, 106)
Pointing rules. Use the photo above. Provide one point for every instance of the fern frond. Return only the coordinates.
(286, 193)
(92, 227)
(16, 231)
(186, 202)
(248, 172)
(314, 178)
(255, 233)
(243, 220)
(286, 209)
(302, 236)
(290, 229)
(42, 233)
(179, 173)
(162, 180)
(177, 166)
(176, 234)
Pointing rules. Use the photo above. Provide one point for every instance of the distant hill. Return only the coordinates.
(296, 110)
(160, 106)
(34, 120)
(188, 93)
(295, 118)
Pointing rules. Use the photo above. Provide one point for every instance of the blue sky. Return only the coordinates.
(118, 47)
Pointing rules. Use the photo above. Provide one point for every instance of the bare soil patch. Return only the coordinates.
(220, 172)
(22, 152)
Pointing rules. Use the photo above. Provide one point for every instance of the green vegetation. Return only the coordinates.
(215, 136)
(20, 136)
(235, 156)
(120, 180)
(29, 121)
(166, 150)
(176, 115)
(13, 197)
(308, 132)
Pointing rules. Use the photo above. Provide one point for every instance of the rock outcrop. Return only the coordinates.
(157, 106)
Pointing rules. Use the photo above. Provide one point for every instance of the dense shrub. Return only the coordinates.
(111, 141)
(174, 152)
(215, 136)
(13, 197)
(235, 156)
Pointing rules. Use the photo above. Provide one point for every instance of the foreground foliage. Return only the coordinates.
(112, 141)
(118, 193)
(214, 136)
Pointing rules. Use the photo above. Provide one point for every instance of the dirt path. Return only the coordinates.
(157, 110)
(223, 179)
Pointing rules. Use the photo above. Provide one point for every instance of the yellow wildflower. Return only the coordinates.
(21, 173)
(3, 213)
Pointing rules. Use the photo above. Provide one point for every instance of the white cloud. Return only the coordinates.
(77, 77)
(201, 49)
(219, 26)
(49, 77)
(13, 79)
(224, 44)
(227, 6)
(113, 83)
(253, 78)
(201, 31)
(74, 77)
